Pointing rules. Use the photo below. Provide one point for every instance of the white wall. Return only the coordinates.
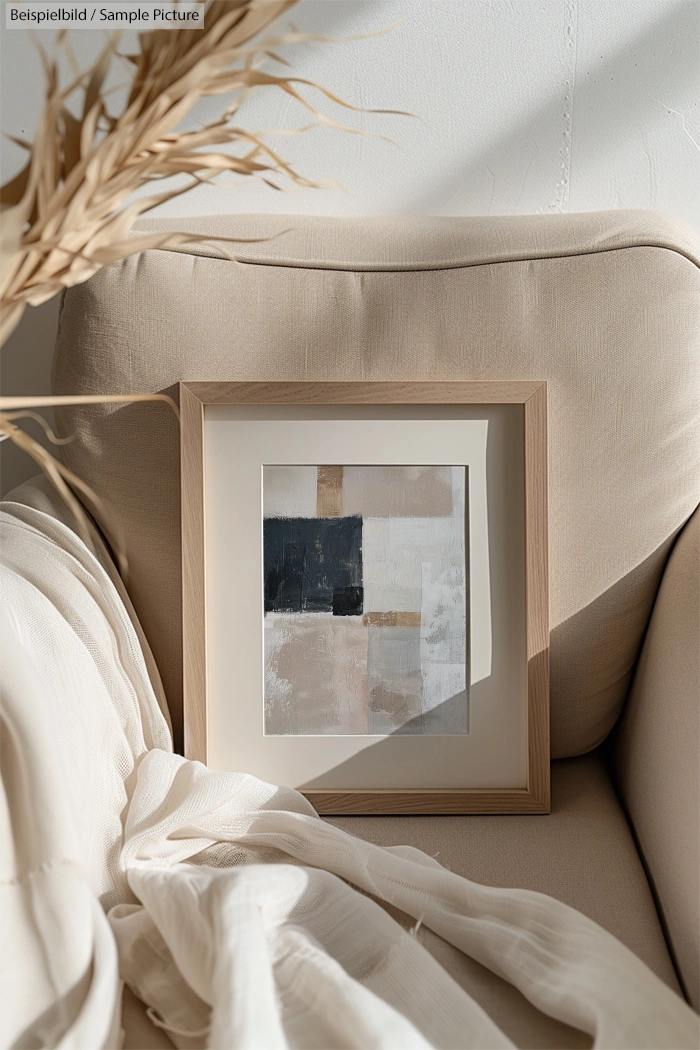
(521, 106)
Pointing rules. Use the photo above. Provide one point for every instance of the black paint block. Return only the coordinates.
(348, 602)
(313, 565)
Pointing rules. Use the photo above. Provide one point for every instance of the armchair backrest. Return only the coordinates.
(603, 306)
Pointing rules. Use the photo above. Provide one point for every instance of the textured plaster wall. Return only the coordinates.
(521, 106)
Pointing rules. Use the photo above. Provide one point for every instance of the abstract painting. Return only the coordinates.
(365, 600)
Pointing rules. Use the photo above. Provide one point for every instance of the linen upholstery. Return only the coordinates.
(656, 750)
(602, 306)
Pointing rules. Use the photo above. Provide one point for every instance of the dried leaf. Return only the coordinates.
(71, 141)
(71, 209)
(98, 76)
(11, 231)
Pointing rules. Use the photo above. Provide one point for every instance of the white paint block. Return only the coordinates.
(394, 551)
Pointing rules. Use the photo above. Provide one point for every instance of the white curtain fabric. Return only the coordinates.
(224, 902)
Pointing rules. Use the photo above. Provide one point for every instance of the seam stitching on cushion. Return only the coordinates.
(397, 268)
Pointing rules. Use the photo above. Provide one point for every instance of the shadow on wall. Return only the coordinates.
(25, 369)
(638, 106)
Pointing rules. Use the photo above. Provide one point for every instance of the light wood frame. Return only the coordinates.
(535, 797)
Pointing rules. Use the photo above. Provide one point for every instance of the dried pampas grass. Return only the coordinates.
(69, 211)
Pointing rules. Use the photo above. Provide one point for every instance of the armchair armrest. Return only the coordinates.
(656, 754)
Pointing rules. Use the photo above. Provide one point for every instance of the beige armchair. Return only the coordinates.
(602, 306)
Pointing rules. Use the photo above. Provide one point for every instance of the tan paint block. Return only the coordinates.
(329, 492)
(391, 619)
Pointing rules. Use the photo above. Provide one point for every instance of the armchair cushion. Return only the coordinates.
(656, 754)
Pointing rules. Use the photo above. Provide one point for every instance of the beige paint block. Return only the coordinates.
(316, 680)
(398, 492)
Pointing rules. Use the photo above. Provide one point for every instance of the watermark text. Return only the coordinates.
(77, 15)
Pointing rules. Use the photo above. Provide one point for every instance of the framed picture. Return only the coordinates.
(365, 596)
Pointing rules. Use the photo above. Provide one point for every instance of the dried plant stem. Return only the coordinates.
(51, 401)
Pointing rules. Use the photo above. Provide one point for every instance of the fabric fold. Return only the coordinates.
(233, 909)
(564, 963)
